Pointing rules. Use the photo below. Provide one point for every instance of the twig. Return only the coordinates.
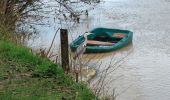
(52, 41)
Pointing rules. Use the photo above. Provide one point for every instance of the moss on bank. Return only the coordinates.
(26, 76)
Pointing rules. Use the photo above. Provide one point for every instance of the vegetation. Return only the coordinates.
(26, 76)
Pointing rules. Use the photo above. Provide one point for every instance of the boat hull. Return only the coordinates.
(106, 32)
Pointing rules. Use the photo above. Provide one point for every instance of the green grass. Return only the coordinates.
(26, 76)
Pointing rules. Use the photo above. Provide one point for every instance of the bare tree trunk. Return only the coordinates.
(3, 5)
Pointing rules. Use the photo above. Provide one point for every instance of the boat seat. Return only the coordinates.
(119, 35)
(99, 43)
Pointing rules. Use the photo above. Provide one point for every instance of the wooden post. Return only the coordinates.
(77, 77)
(78, 19)
(87, 14)
(64, 50)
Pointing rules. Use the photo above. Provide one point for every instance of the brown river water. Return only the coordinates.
(139, 71)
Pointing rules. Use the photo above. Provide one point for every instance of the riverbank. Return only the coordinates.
(26, 76)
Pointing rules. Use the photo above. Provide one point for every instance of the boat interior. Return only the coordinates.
(105, 40)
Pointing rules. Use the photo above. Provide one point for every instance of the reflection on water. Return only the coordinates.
(139, 71)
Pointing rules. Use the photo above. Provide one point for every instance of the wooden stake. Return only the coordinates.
(77, 77)
(64, 50)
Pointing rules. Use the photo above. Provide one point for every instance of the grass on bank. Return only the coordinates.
(26, 76)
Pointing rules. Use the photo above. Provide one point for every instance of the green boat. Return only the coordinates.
(103, 40)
